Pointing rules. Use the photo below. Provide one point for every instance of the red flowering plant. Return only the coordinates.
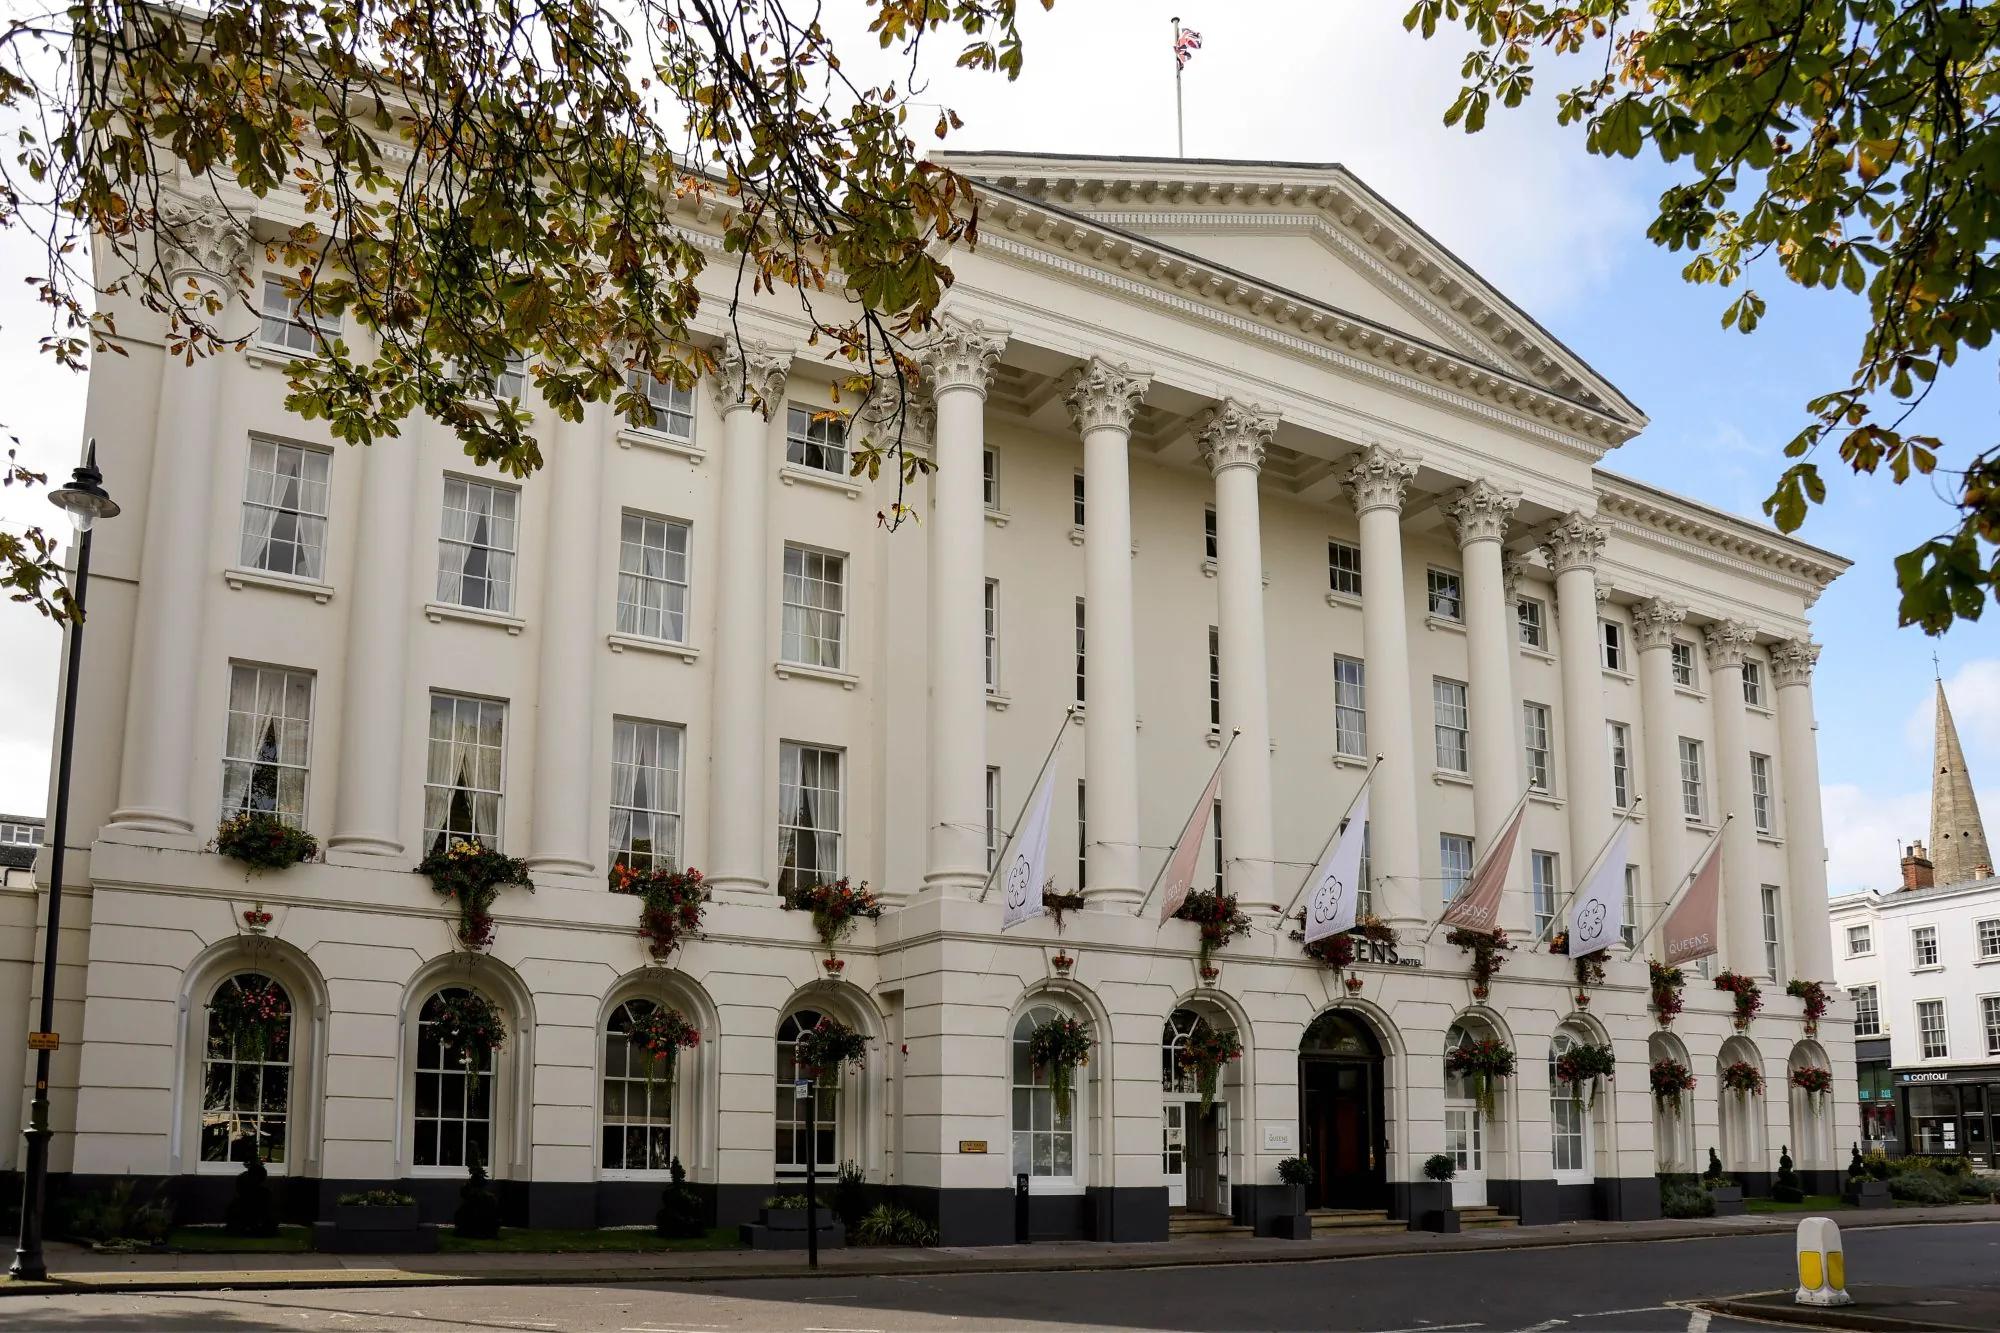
(1061, 1046)
(264, 841)
(1485, 950)
(1813, 1080)
(1816, 999)
(661, 1033)
(469, 1027)
(1582, 1065)
(1206, 1051)
(1671, 1080)
(1335, 952)
(1667, 982)
(1744, 1079)
(1218, 916)
(829, 1045)
(836, 907)
(671, 903)
(254, 1013)
(1481, 1063)
(473, 873)
(1749, 996)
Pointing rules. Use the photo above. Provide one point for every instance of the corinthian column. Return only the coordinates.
(749, 386)
(1376, 486)
(1103, 398)
(959, 367)
(1742, 913)
(1805, 837)
(1571, 548)
(1479, 515)
(1654, 623)
(204, 249)
(1232, 442)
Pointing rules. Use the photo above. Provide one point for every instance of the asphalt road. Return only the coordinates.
(1566, 1290)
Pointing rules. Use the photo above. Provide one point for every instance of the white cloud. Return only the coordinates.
(1865, 834)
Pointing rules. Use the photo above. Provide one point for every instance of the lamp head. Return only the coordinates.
(85, 500)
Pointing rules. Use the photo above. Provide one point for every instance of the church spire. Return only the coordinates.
(1958, 840)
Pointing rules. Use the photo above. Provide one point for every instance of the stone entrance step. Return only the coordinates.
(1352, 1222)
(1185, 1225)
(1486, 1215)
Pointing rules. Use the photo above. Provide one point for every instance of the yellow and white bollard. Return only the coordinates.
(1822, 1264)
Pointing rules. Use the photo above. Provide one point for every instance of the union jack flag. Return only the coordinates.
(1185, 46)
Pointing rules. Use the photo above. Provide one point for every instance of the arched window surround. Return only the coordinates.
(1086, 1125)
(695, 1079)
(1741, 1119)
(1579, 1137)
(1673, 1131)
(512, 1076)
(860, 1137)
(1479, 1023)
(1811, 1117)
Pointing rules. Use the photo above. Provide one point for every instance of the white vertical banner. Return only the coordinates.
(1026, 857)
(1335, 898)
(1598, 914)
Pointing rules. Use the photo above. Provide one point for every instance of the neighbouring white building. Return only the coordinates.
(1220, 446)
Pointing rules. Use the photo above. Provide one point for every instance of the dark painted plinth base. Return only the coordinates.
(1418, 1200)
(1871, 1194)
(1629, 1200)
(1299, 1226)
(1444, 1221)
(832, 1236)
(1262, 1207)
(1128, 1213)
(1728, 1200)
(1541, 1203)
(1823, 1181)
(964, 1216)
(331, 1239)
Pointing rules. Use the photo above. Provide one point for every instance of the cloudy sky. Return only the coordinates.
(1560, 232)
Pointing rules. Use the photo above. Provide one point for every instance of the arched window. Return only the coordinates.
(454, 1098)
(1569, 1118)
(1044, 1142)
(246, 1093)
(1174, 1077)
(791, 1108)
(638, 1117)
(1464, 1127)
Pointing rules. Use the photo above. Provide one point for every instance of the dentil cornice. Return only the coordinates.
(1727, 641)
(963, 356)
(1480, 512)
(198, 237)
(1654, 622)
(1235, 435)
(1792, 662)
(1103, 393)
(751, 375)
(1574, 542)
(1380, 479)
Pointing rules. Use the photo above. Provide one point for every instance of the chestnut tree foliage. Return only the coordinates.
(1853, 141)
(475, 180)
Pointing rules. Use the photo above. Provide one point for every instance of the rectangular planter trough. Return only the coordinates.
(360, 1229)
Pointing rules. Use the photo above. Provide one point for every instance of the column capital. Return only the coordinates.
(200, 238)
(1380, 479)
(1235, 435)
(1654, 622)
(1104, 393)
(1480, 512)
(1510, 575)
(963, 355)
(1574, 542)
(895, 413)
(1792, 662)
(751, 375)
(1727, 641)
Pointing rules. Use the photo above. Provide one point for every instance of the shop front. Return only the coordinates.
(1949, 1112)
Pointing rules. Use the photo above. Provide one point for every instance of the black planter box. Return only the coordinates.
(360, 1229)
(1294, 1226)
(361, 1217)
(785, 1229)
(1444, 1221)
(1869, 1194)
(1728, 1200)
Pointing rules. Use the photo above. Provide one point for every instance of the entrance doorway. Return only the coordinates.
(1465, 1130)
(1341, 1113)
(1194, 1144)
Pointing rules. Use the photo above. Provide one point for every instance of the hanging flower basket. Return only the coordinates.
(253, 1013)
(1335, 953)
(1485, 950)
(662, 1033)
(1749, 997)
(1813, 1080)
(1481, 1063)
(671, 904)
(1582, 1065)
(1670, 1080)
(1743, 1079)
(1667, 984)
(1375, 929)
(1206, 1051)
(1816, 999)
(829, 1045)
(1218, 917)
(473, 873)
(470, 1028)
(263, 841)
(1061, 1046)
(1589, 970)
(837, 906)
(1056, 904)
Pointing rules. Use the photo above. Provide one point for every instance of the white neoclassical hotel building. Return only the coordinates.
(1220, 446)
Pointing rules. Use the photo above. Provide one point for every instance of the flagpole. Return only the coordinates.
(1562, 913)
(1482, 864)
(1180, 134)
(1161, 872)
(1033, 787)
(1339, 827)
(1687, 882)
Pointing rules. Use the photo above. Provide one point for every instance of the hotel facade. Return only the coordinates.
(1223, 449)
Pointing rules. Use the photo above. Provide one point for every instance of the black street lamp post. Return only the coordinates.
(86, 502)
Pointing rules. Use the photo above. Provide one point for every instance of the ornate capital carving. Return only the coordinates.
(1105, 394)
(199, 237)
(1654, 622)
(1480, 512)
(1235, 435)
(1726, 642)
(1380, 479)
(962, 356)
(1510, 575)
(1792, 662)
(1574, 543)
(894, 414)
(751, 375)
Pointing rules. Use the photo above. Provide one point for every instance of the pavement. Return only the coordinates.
(1876, 1309)
(78, 1270)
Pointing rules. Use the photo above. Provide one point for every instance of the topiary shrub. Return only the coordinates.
(1787, 1188)
(478, 1215)
(254, 1210)
(1683, 1196)
(681, 1215)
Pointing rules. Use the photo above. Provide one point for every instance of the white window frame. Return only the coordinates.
(1687, 674)
(1082, 837)
(1444, 594)
(1987, 935)
(1350, 707)
(1865, 935)
(653, 576)
(234, 1115)
(1545, 881)
(1924, 947)
(1567, 1107)
(996, 836)
(1618, 737)
(814, 631)
(992, 635)
(1989, 1021)
(1208, 547)
(793, 757)
(284, 328)
(1771, 907)
(499, 509)
(815, 439)
(1454, 862)
(1535, 736)
(830, 1112)
(1867, 1010)
(1694, 793)
(458, 754)
(1451, 722)
(1760, 793)
(1214, 679)
(989, 477)
(488, 1089)
(654, 754)
(1343, 568)
(286, 490)
(1611, 645)
(1753, 683)
(290, 728)
(1531, 623)
(660, 1095)
(670, 408)
(1081, 644)
(1035, 1097)
(1628, 933)
(1926, 1048)
(1077, 511)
